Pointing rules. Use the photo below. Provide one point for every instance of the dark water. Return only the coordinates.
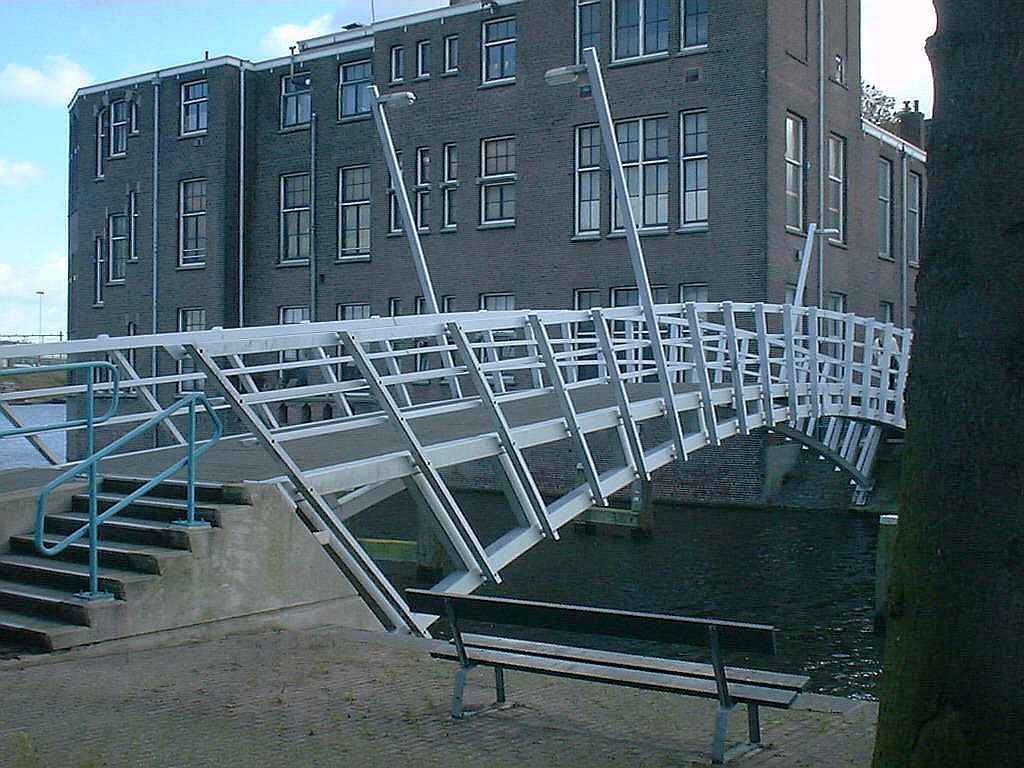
(808, 573)
(17, 451)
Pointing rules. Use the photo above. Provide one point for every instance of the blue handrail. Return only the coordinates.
(90, 420)
(92, 465)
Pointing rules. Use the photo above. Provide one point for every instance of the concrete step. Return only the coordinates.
(111, 554)
(37, 633)
(148, 508)
(170, 489)
(131, 530)
(61, 574)
(44, 602)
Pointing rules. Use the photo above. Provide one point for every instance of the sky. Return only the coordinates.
(48, 48)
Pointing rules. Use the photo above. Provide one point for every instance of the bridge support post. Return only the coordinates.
(641, 505)
(888, 528)
(429, 552)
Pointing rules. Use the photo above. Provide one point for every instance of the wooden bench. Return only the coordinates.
(730, 685)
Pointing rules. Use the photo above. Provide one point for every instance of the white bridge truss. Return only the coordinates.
(413, 395)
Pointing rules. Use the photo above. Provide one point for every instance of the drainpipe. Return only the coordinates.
(241, 197)
(904, 253)
(821, 150)
(312, 217)
(156, 197)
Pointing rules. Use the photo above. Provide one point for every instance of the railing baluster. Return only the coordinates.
(737, 373)
(703, 380)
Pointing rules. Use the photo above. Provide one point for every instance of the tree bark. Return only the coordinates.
(953, 686)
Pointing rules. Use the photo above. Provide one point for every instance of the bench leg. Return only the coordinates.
(457, 691)
(499, 685)
(754, 724)
(721, 728)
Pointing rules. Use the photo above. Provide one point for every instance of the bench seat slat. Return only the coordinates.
(632, 661)
(634, 678)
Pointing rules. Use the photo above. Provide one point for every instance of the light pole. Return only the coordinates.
(592, 68)
(40, 294)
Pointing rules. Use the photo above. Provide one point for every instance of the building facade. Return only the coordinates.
(227, 192)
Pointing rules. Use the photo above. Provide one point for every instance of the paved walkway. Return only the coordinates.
(338, 697)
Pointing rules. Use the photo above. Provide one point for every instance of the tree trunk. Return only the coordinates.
(953, 688)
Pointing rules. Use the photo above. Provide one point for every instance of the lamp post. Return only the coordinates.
(592, 69)
(40, 294)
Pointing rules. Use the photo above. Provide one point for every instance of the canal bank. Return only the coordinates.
(332, 696)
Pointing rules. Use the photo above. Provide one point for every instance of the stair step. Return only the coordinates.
(67, 575)
(148, 508)
(132, 530)
(125, 555)
(169, 489)
(35, 632)
(43, 602)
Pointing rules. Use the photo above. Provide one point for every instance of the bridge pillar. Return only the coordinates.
(429, 551)
(641, 505)
(888, 528)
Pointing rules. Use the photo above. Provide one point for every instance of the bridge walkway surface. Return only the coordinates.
(333, 696)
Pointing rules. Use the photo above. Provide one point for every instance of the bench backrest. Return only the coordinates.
(732, 635)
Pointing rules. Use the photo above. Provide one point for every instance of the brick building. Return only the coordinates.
(228, 192)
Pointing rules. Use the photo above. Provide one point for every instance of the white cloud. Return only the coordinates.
(893, 36)
(277, 41)
(52, 86)
(19, 302)
(15, 174)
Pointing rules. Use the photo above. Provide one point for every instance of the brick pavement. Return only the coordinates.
(339, 697)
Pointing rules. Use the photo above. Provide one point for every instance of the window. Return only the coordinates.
(296, 100)
(192, 222)
(353, 311)
(697, 292)
(190, 320)
(133, 227)
(447, 303)
(695, 23)
(498, 188)
(133, 126)
(194, 114)
(839, 70)
(498, 302)
(394, 306)
(886, 311)
(884, 208)
(423, 58)
(588, 26)
(292, 316)
(695, 168)
(499, 55)
(586, 298)
(640, 26)
(295, 226)
(354, 216)
(837, 187)
(99, 265)
(451, 184)
(451, 54)
(643, 145)
(397, 63)
(423, 187)
(117, 244)
(118, 128)
(833, 327)
(101, 138)
(394, 214)
(795, 171)
(630, 297)
(588, 180)
(914, 218)
(354, 82)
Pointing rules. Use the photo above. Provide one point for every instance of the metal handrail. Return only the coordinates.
(90, 420)
(91, 465)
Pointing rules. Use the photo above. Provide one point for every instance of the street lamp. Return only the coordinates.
(40, 294)
(592, 69)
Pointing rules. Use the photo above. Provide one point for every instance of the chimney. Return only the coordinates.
(911, 122)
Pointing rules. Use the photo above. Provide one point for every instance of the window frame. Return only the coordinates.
(187, 362)
(117, 262)
(693, 292)
(642, 164)
(886, 172)
(298, 96)
(133, 227)
(498, 180)
(486, 44)
(119, 129)
(642, 52)
(451, 62)
(396, 64)
(799, 163)
(359, 85)
(424, 59)
(395, 224)
(192, 262)
(449, 186)
(684, 15)
(914, 206)
(484, 297)
(837, 181)
(423, 189)
(201, 104)
(284, 212)
(364, 206)
(580, 5)
(101, 141)
(590, 170)
(694, 159)
(99, 262)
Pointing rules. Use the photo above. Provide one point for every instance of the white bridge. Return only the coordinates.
(410, 396)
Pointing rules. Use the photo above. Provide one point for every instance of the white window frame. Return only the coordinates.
(285, 212)
(796, 163)
(360, 86)
(186, 365)
(693, 159)
(886, 178)
(119, 128)
(394, 306)
(363, 206)
(99, 269)
(588, 170)
(192, 261)
(887, 311)
(487, 44)
(395, 224)
(485, 298)
(449, 214)
(116, 265)
(642, 52)
(200, 104)
(423, 188)
(494, 180)
(914, 210)
(133, 226)
(424, 55)
(580, 5)
(396, 71)
(641, 165)
(837, 187)
(352, 311)
(296, 96)
(451, 54)
(695, 292)
(101, 141)
(700, 44)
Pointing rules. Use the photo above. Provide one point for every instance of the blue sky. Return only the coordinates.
(49, 48)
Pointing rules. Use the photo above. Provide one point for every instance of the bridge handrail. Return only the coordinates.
(90, 388)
